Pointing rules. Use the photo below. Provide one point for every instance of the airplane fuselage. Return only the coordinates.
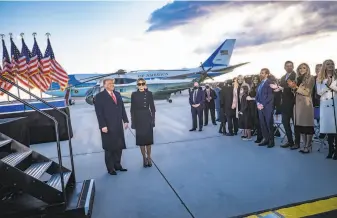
(81, 89)
(215, 65)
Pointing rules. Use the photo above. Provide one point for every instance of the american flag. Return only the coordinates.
(43, 65)
(7, 68)
(33, 68)
(58, 74)
(2, 83)
(19, 66)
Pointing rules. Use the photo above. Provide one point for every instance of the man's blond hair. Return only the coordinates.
(108, 79)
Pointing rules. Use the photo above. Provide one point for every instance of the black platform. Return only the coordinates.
(41, 129)
(16, 128)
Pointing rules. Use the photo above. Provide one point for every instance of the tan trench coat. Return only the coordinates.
(303, 108)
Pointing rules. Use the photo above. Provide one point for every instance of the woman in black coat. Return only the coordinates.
(142, 119)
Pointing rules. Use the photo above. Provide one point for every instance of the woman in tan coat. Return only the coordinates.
(303, 109)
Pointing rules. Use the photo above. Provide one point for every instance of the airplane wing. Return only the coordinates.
(230, 68)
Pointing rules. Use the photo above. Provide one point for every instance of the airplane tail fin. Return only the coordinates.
(222, 55)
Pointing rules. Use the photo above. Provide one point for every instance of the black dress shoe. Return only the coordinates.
(215, 124)
(229, 134)
(271, 144)
(112, 172)
(287, 145)
(122, 169)
(258, 141)
(200, 129)
(193, 129)
(263, 143)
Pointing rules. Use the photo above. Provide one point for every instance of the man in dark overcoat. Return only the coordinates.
(226, 101)
(197, 100)
(210, 96)
(111, 116)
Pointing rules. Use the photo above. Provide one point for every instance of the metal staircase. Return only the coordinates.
(32, 185)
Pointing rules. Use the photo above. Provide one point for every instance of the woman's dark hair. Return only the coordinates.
(248, 79)
(245, 89)
(141, 80)
(272, 78)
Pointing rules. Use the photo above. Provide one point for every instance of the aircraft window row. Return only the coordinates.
(124, 80)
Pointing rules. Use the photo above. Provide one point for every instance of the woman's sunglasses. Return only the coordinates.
(140, 84)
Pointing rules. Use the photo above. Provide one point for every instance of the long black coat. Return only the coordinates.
(111, 115)
(211, 103)
(143, 116)
(226, 100)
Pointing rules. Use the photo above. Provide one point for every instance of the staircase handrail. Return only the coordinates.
(55, 108)
(56, 133)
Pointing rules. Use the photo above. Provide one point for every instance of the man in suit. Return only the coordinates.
(210, 96)
(197, 99)
(226, 101)
(111, 115)
(265, 106)
(287, 104)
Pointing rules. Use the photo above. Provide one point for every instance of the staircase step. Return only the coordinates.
(36, 170)
(15, 158)
(55, 180)
(5, 142)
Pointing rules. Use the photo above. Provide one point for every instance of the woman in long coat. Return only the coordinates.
(303, 109)
(253, 108)
(327, 88)
(143, 119)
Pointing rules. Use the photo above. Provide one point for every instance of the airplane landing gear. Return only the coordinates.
(169, 100)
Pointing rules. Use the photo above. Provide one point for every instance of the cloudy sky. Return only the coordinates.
(101, 37)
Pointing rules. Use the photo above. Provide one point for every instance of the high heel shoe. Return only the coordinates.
(308, 145)
(307, 150)
(145, 163)
(149, 162)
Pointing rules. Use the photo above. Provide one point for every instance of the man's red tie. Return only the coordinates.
(114, 97)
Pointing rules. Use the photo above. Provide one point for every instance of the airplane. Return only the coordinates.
(161, 89)
(216, 64)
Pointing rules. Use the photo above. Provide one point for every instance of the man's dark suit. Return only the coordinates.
(226, 100)
(265, 97)
(197, 96)
(209, 106)
(111, 115)
(287, 106)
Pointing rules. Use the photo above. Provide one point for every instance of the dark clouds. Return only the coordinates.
(178, 13)
(257, 30)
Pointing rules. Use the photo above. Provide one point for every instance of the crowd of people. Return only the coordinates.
(303, 102)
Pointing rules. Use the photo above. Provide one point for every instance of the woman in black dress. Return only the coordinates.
(142, 119)
(245, 119)
(253, 108)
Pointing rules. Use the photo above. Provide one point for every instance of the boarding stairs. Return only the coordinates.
(34, 186)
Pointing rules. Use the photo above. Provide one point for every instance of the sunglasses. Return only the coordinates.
(140, 84)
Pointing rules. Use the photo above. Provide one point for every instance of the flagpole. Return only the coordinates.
(2, 37)
(30, 97)
(16, 81)
(50, 73)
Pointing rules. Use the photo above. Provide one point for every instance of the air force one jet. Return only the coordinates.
(217, 64)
